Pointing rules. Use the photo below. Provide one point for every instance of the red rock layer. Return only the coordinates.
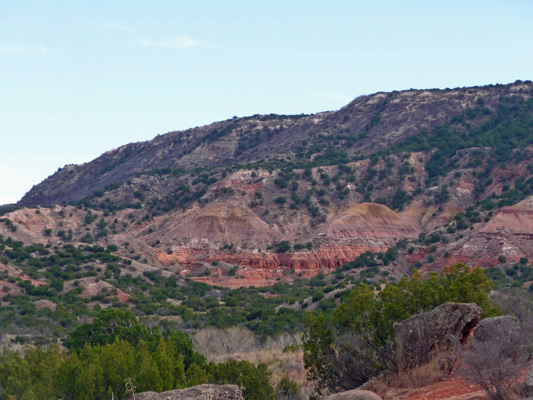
(324, 258)
(361, 228)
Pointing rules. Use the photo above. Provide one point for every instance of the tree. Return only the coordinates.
(231, 340)
(32, 376)
(283, 246)
(117, 363)
(203, 340)
(86, 385)
(179, 372)
(254, 379)
(183, 345)
(15, 375)
(280, 200)
(319, 352)
(288, 389)
(148, 375)
(106, 326)
(66, 377)
(112, 324)
(195, 375)
(399, 199)
(164, 357)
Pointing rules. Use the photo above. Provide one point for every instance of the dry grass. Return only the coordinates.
(239, 343)
(417, 377)
(279, 362)
(377, 385)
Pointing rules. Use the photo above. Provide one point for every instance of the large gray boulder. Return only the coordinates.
(355, 394)
(492, 328)
(200, 392)
(432, 337)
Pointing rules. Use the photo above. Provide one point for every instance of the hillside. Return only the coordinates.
(391, 182)
(366, 125)
(441, 162)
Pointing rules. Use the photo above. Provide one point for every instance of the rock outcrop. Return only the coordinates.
(491, 328)
(200, 392)
(355, 394)
(432, 337)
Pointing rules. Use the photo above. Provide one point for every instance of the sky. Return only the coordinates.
(79, 78)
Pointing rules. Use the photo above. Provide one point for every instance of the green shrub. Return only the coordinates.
(370, 318)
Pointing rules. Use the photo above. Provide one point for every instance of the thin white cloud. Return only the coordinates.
(175, 42)
(43, 49)
(119, 27)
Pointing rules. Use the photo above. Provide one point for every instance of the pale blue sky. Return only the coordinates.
(78, 78)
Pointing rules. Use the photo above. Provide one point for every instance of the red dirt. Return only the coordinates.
(452, 387)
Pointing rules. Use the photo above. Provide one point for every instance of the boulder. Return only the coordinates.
(432, 337)
(200, 392)
(355, 394)
(491, 328)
